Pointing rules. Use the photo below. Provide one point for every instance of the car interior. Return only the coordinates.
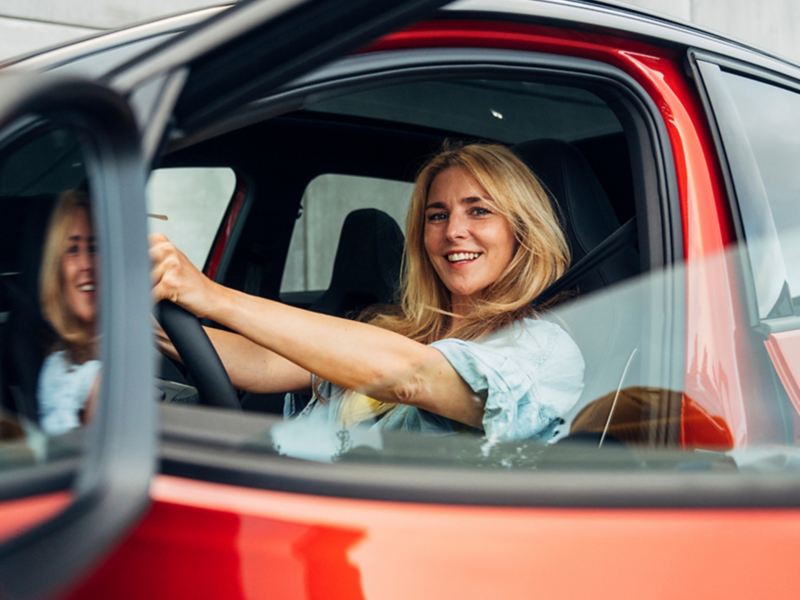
(576, 144)
(578, 139)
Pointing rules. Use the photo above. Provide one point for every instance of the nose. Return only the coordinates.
(85, 260)
(457, 227)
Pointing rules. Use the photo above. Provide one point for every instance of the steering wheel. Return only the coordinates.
(201, 360)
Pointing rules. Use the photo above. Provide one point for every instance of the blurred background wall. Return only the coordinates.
(27, 25)
(30, 24)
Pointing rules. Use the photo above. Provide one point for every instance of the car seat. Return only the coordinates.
(366, 272)
(607, 332)
(584, 209)
(26, 336)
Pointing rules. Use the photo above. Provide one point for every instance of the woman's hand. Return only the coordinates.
(176, 279)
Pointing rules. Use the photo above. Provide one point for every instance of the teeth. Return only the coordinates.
(86, 287)
(456, 256)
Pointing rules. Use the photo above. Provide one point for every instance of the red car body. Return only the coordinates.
(206, 539)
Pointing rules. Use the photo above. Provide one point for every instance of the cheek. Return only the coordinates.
(66, 272)
(429, 244)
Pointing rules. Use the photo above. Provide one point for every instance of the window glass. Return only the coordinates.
(187, 205)
(49, 293)
(327, 201)
(508, 111)
(769, 118)
(596, 380)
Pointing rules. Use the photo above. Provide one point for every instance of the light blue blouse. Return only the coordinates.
(529, 374)
(63, 389)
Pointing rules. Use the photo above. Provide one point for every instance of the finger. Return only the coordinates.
(161, 265)
(159, 250)
(157, 238)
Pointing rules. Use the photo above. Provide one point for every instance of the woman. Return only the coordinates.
(464, 350)
(69, 376)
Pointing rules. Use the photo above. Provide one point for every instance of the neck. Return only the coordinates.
(461, 305)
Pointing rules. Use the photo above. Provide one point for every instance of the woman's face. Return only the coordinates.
(467, 241)
(78, 268)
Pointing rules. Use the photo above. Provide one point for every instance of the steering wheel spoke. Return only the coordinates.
(203, 365)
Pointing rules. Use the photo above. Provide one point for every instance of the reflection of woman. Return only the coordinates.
(465, 348)
(68, 379)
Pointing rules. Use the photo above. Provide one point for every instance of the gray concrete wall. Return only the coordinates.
(29, 24)
(773, 25)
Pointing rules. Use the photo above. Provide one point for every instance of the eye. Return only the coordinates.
(92, 248)
(479, 211)
(437, 216)
(72, 250)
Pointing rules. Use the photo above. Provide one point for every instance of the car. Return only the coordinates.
(277, 143)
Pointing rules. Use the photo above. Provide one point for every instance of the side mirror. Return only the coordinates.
(77, 417)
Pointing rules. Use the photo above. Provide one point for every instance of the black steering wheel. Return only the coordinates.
(203, 365)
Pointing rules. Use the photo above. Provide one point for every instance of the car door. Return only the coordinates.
(61, 516)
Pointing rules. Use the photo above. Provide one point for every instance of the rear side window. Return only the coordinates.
(187, 205)
(759, 124)
(327, 201)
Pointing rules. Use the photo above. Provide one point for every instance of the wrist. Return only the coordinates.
(218, 302)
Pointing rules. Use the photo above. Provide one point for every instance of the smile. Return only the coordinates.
(86, 287)
(462, 256)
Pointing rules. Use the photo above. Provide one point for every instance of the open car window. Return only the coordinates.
(646, 391)
(631, 416)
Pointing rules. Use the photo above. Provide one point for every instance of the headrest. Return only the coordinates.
(367, 265)
(586, 215)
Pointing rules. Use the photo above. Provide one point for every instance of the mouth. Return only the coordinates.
(86, 287)
(462, 257)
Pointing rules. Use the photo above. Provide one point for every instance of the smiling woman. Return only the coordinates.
(468, 242)
(68, 380)
(464, 350)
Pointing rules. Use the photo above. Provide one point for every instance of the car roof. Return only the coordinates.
(51, 56)
(597, 15)
(614, 17)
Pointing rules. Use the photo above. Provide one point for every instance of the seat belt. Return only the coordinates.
(622, 237)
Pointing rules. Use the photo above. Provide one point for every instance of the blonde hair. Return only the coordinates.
(76, 337)
(541, 255)
(540, 258)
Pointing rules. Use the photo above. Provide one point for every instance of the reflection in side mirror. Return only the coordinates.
(49, 283)
(72, 466)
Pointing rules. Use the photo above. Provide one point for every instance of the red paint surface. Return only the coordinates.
(226, 230)
(214, 541)
(17, 516)
(204, 540)
(784, 352)
(702, 430)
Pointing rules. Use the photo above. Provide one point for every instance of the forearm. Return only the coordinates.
(348, 353)
(253, 367)
(250, 367)
(288, 343)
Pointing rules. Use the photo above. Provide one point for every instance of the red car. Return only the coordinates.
(265, 129)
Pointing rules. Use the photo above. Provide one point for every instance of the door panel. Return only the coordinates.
(74, 472)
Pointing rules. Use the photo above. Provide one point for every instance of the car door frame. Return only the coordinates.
(109, 486)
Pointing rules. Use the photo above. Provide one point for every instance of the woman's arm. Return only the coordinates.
(251, 367)
(353, 355)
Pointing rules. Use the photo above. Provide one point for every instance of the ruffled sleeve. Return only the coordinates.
(530, 375)
(62, 390)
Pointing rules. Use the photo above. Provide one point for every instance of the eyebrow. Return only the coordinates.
(78, 238)
(467, 200)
